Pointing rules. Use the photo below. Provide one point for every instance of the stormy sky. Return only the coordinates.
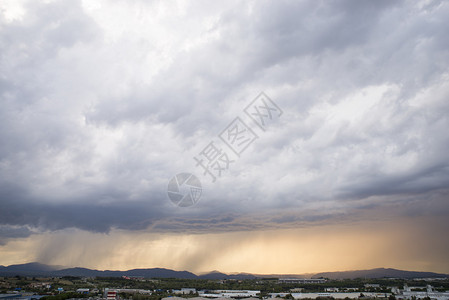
(103, 102)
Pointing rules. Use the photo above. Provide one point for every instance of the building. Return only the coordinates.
(173, 298)
(185, 291)
(126, 291)
(229, 294)
(372, 285)
(111, 295)
(17, 296)
(83, 291)
(10, 296)
(408, 294)
(278, 295)
(333, 295)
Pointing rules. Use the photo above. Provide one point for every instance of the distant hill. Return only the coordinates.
(30, 269)
(37, 269)
(159, 273)
(215, 275)
(378, 273)
(303, 276)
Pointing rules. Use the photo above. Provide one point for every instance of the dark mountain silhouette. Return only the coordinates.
(215, 275)
(30, 269)
(37, 269)
(378, 273)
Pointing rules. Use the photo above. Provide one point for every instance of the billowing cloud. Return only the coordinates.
(103, 102)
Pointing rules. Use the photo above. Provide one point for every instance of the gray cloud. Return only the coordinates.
(13, 232)
(101, 106)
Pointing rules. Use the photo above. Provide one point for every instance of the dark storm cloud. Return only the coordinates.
(13, 232)
(95, 215)
(101, 106)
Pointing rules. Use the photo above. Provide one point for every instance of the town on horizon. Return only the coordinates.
(19, 287)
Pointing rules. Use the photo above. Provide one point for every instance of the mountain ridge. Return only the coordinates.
(378, 273)
(38, 269)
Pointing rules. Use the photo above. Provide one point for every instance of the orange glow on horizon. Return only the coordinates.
(290, 251)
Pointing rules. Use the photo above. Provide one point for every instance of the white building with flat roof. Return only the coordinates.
(408, 294)
(229, 294)
(185, 291)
